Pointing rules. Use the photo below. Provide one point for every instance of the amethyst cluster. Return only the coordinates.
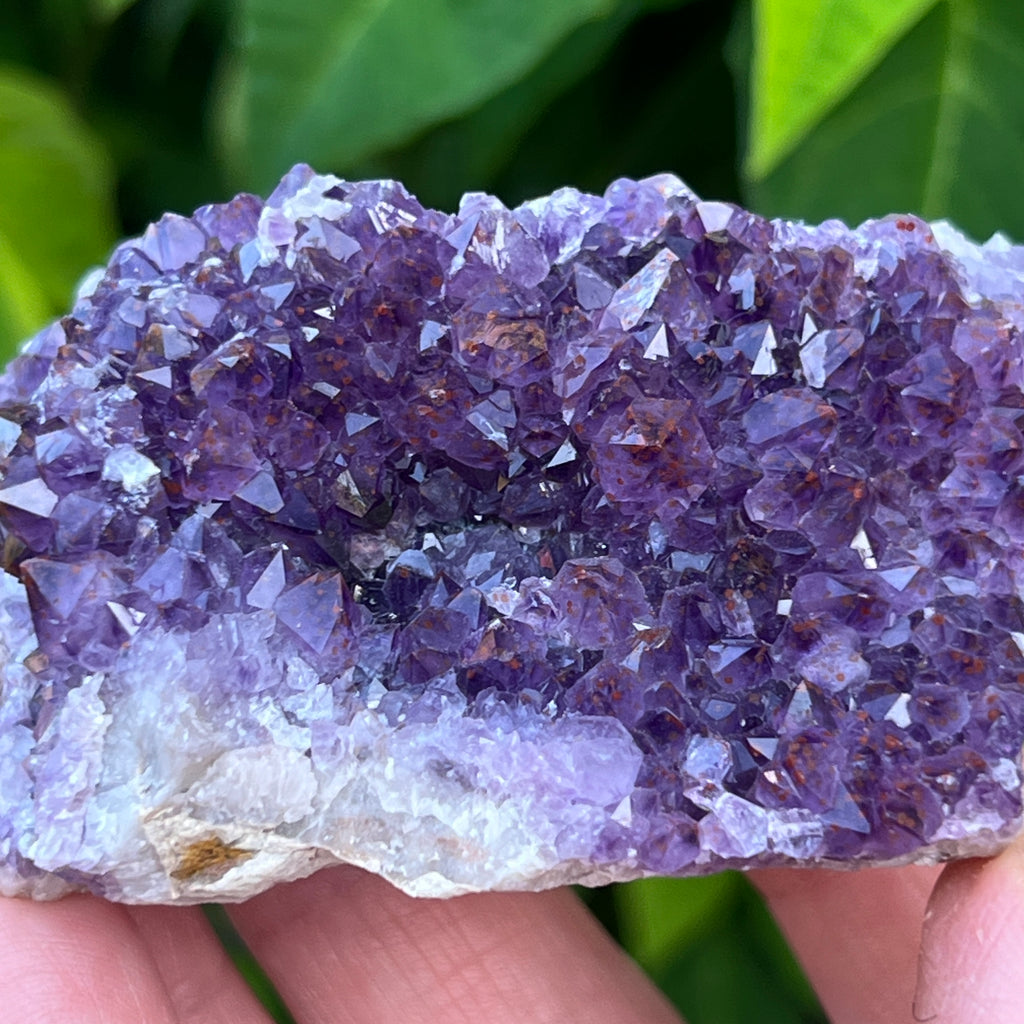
(602, 537)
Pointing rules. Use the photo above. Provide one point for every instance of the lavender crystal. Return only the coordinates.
(603, 537)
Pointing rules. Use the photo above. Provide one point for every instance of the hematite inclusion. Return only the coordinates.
(597, 538)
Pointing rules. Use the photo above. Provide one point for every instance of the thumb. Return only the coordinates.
(971, 968)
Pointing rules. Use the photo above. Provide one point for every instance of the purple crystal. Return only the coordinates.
(602, 537)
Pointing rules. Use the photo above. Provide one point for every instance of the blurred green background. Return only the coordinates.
(113, 111)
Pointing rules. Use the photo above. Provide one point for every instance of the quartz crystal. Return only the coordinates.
(598, 538)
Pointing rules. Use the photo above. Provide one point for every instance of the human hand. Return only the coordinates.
(346, 948)
(342, 947)
(895, 946)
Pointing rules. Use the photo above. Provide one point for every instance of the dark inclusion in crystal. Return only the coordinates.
(597, 538)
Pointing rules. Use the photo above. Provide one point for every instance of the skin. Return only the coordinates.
(344, 947)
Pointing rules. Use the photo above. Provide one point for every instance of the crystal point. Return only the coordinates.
(603, 537)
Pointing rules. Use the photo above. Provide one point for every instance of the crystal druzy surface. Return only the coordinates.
(602, 537)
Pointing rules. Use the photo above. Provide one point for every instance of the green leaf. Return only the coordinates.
(56, 216)
(660, 918)
(547, 130)
(470, 152)
(23, 306)
(246, 964)
(108, 10)
(809, 55)
(330, 83)
(714, 950)
(937, 129)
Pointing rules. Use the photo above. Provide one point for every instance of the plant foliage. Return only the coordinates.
(112, 111)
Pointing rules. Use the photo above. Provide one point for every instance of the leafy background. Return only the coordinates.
(112, 111)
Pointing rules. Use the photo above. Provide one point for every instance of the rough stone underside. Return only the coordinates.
(597, 538)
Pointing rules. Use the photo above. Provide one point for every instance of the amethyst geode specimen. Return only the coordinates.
(597, 538)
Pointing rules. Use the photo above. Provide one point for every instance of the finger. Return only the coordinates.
(973, 943)
(200, 980)
(346, 943)
(84, 960)
(76, 960)
(857, 935)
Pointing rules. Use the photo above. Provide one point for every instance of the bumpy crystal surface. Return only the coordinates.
(602, 537)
